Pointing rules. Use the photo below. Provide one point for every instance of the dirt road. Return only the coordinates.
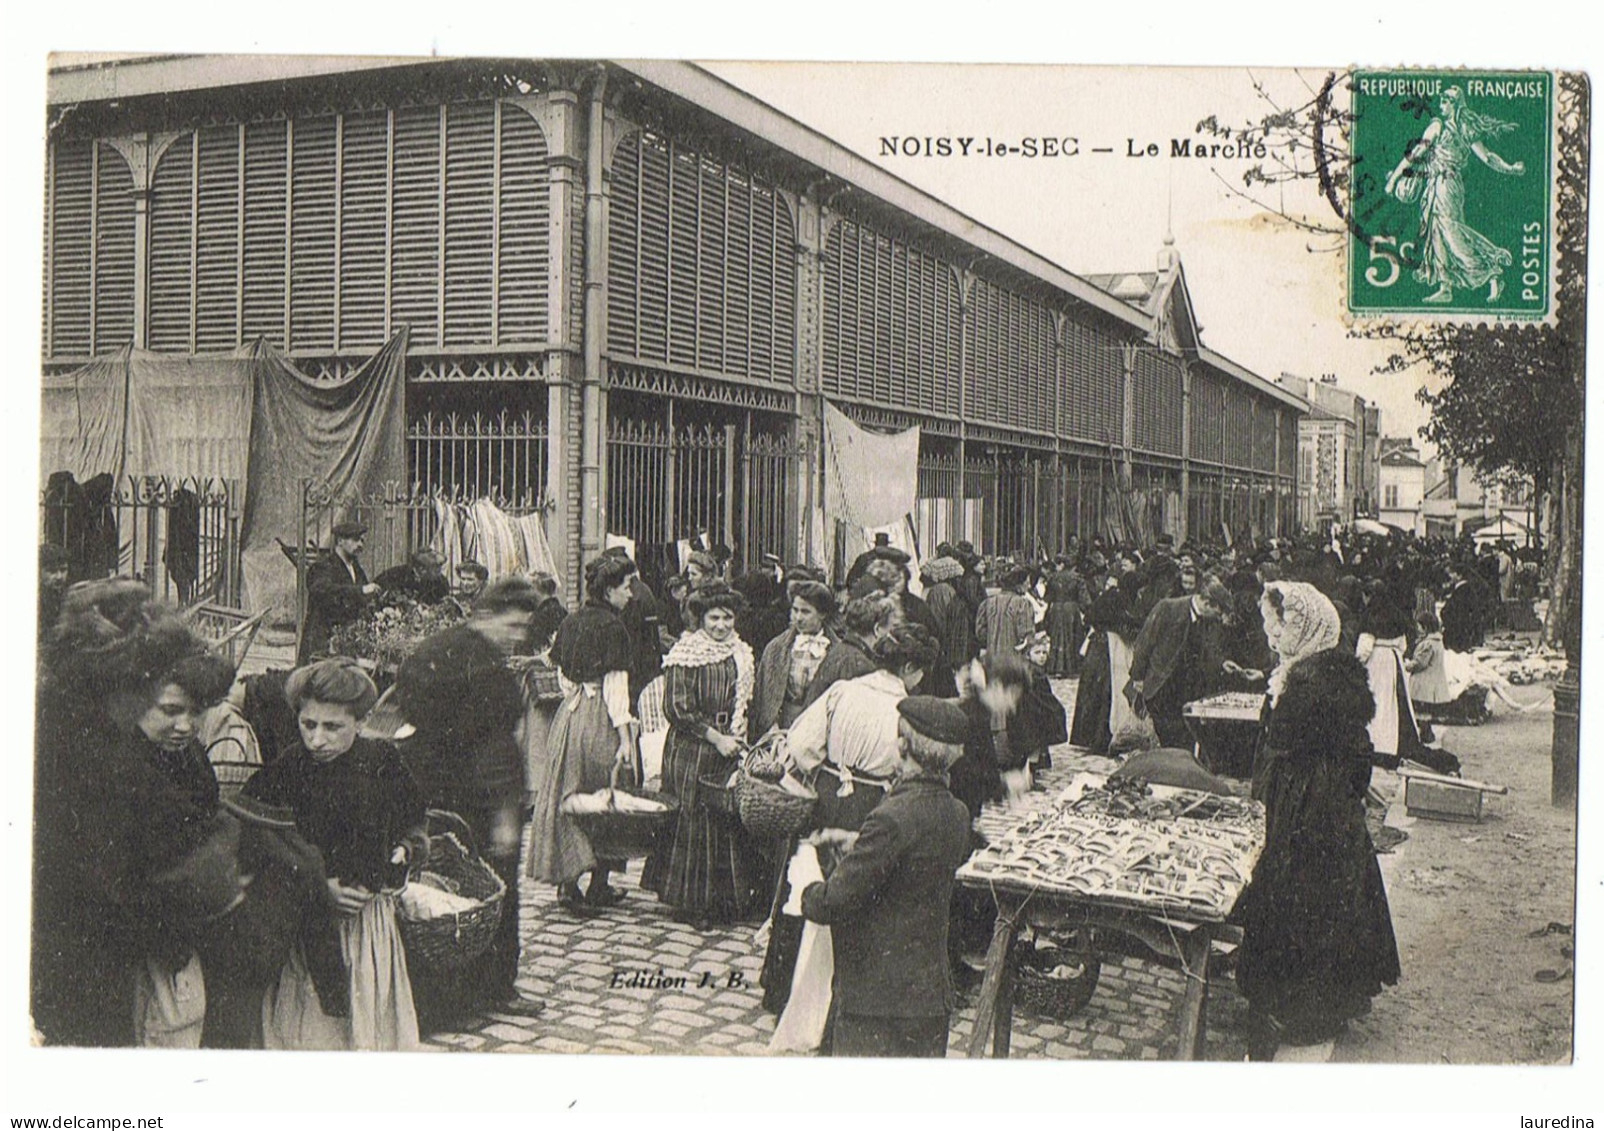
(1468, 901)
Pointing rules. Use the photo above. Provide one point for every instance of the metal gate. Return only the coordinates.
(179, 535)
(666, 483)
(479, 455)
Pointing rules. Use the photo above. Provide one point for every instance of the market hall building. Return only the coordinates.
(627, 290)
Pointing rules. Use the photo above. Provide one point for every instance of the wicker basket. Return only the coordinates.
(766, 760)
(771, 811)
(620, 835)
(451, 941)
(715, 792)
(1055, 999)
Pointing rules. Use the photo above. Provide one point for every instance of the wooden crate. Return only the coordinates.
(1441, 801)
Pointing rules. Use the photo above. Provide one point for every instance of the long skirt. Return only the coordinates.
(1089, 727)
(1393, 729)
(169, 1005)
(1120, 711)
(709, 866)
(382, 1019)
(582, 746)
(782, 973)
(538, 717)
(1064, 629)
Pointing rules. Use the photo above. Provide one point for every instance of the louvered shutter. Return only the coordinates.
(700, 265)
(470, 222)
(172, 222)
(415, 278)
(683, 190)
(217, 238)
(266, 196)
(1208, 417)
(623, 252)
(523, 231)
(652, 339)
(364, 220)
(72, 226)
(713, 294)
(114, 250)
(312, 233)
(1263, 436)
(891, 322)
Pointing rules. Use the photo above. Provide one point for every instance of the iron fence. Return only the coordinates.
(496, 455)
(177, 534)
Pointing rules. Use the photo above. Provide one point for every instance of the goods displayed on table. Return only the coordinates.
(1150, 848)
(1244, 705)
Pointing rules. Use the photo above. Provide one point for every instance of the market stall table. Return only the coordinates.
(1226, 729)
(1163, 866)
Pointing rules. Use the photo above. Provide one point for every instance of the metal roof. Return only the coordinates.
(114, 77)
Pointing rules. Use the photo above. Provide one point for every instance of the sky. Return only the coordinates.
(1267, 294)
(1260, 296)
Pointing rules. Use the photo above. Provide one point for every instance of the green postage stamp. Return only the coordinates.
(1452, 194)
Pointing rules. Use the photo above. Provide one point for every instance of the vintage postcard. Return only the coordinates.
(806, 560)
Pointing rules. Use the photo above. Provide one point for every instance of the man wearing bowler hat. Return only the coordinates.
(337, 590)
(887, 900)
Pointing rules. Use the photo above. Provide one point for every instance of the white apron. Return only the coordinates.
(1120, 711)
(382, 1014)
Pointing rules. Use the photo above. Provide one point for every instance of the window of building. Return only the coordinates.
(1389, 496)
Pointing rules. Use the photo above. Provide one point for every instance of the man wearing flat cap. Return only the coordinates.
(337, 591)
(887, 900)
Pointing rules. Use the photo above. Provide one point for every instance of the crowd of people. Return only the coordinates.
(169, 913)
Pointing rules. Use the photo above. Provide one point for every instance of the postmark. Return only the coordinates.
(1451, 195)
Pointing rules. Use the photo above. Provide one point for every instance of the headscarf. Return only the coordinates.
(1298, 622)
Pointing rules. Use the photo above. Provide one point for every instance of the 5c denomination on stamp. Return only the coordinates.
(1451, 194)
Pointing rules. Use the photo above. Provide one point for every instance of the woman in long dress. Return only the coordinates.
(592, 732)
(1452, 253)
(1101, 708)
(708, 870)
(792, 659)
(1318, 943)
(1383, 641)
(355, 800)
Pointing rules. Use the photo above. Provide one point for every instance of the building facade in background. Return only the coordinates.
(1338, 472)
(1403, 483)
(629, 288)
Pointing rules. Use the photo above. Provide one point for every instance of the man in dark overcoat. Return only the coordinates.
(887, 900)
(1467, 610)
(1169, 657)
(337, 591)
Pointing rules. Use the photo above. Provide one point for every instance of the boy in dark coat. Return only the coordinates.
(887, 900)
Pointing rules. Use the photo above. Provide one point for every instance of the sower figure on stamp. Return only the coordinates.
(1452, 253)
(886, 901)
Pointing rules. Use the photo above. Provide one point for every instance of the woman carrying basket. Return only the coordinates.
(355, 800)
(848, 739)
(592, 733)
(706, 871)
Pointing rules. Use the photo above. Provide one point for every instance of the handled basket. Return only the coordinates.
(771, 811)
(1039, 994)
(448, 942)
(715, 792)
(616, 834)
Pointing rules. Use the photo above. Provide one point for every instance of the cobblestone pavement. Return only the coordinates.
(579, 968)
